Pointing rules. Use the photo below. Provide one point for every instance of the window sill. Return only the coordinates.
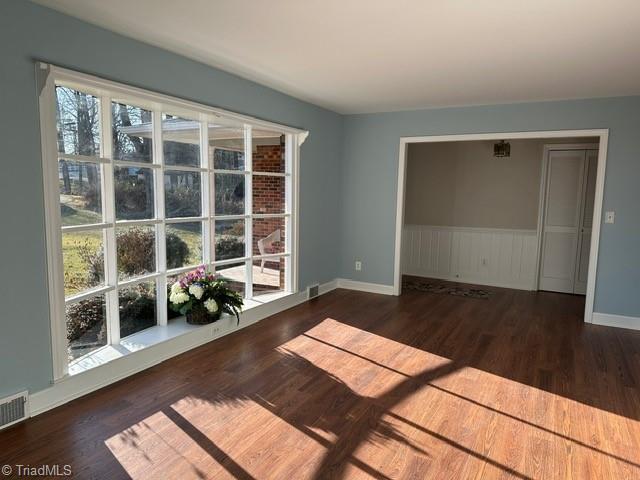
(158, 335)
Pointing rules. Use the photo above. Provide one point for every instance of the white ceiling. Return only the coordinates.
(356, 56)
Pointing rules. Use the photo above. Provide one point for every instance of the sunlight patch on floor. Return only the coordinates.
(347, 396)
(155, 447)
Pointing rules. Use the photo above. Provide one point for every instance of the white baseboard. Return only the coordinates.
(72, 387)
(365, 286)
(327, 287)
(620, 321)
(472, 280)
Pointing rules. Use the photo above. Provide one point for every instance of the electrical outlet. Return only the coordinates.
(610, 217)
(358, 265)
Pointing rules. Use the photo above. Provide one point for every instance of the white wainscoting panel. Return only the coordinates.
(486, 256)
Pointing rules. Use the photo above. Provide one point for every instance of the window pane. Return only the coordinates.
(182, 194)
(229, 239)
(83, 261)
(229, 192)
(132, 133)
(180, 141)
(136, 251)
(268, 235)
(268, 275)
(268, 194)
(137, 308)
(80, 192)
(226, 145)
(78, 122)
(134, 193)
(225, 159)
(235, 275)
(268, 151)
(86, 326)
(184, 244)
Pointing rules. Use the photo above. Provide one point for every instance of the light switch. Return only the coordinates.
(609, 217)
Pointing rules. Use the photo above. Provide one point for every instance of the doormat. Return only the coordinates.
(458, 291)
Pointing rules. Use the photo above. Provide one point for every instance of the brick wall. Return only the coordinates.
(269, 197)
(268, 194)
(269, 158)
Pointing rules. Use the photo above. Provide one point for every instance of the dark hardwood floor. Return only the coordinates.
(357, 385)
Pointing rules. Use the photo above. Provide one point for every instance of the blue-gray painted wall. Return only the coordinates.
(370, 169)
(29, 32)
(348, 170)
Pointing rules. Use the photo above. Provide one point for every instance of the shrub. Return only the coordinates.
(183, 201)
(136, 253)
(85, 320)
(177, 251)
(229, 247)
(137, 309)
(83, 316)
(236, 230)
(133, 195)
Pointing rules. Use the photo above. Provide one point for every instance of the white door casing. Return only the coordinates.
(586, 217)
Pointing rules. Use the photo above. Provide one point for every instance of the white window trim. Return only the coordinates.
(48, 75)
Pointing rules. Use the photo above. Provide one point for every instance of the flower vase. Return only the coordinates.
(200, 316)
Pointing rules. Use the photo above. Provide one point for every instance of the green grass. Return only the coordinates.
(75, 266)
(71, 216)
(75, 244)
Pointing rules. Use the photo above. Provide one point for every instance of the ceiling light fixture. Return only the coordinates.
(502, 149)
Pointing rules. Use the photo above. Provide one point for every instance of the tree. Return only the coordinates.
(130, 147)
(77, 115)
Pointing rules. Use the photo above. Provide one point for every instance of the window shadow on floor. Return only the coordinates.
(534, 338)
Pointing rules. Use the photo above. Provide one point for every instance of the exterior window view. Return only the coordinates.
(135, 215)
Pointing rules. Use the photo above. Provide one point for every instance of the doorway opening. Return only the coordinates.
(456, 219)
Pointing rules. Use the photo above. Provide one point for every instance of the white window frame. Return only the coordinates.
(48, 77)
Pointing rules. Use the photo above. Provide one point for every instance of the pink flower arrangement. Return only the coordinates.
(203, 296)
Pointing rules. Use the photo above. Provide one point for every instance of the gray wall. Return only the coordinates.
(461, 184)
(370, 169)
(29, 32)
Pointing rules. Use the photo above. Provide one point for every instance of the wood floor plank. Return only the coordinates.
(357, 385)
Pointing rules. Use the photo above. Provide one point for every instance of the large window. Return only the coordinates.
(147, 188)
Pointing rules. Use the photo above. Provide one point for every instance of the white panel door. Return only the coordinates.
(562, 219)
(584, 242)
